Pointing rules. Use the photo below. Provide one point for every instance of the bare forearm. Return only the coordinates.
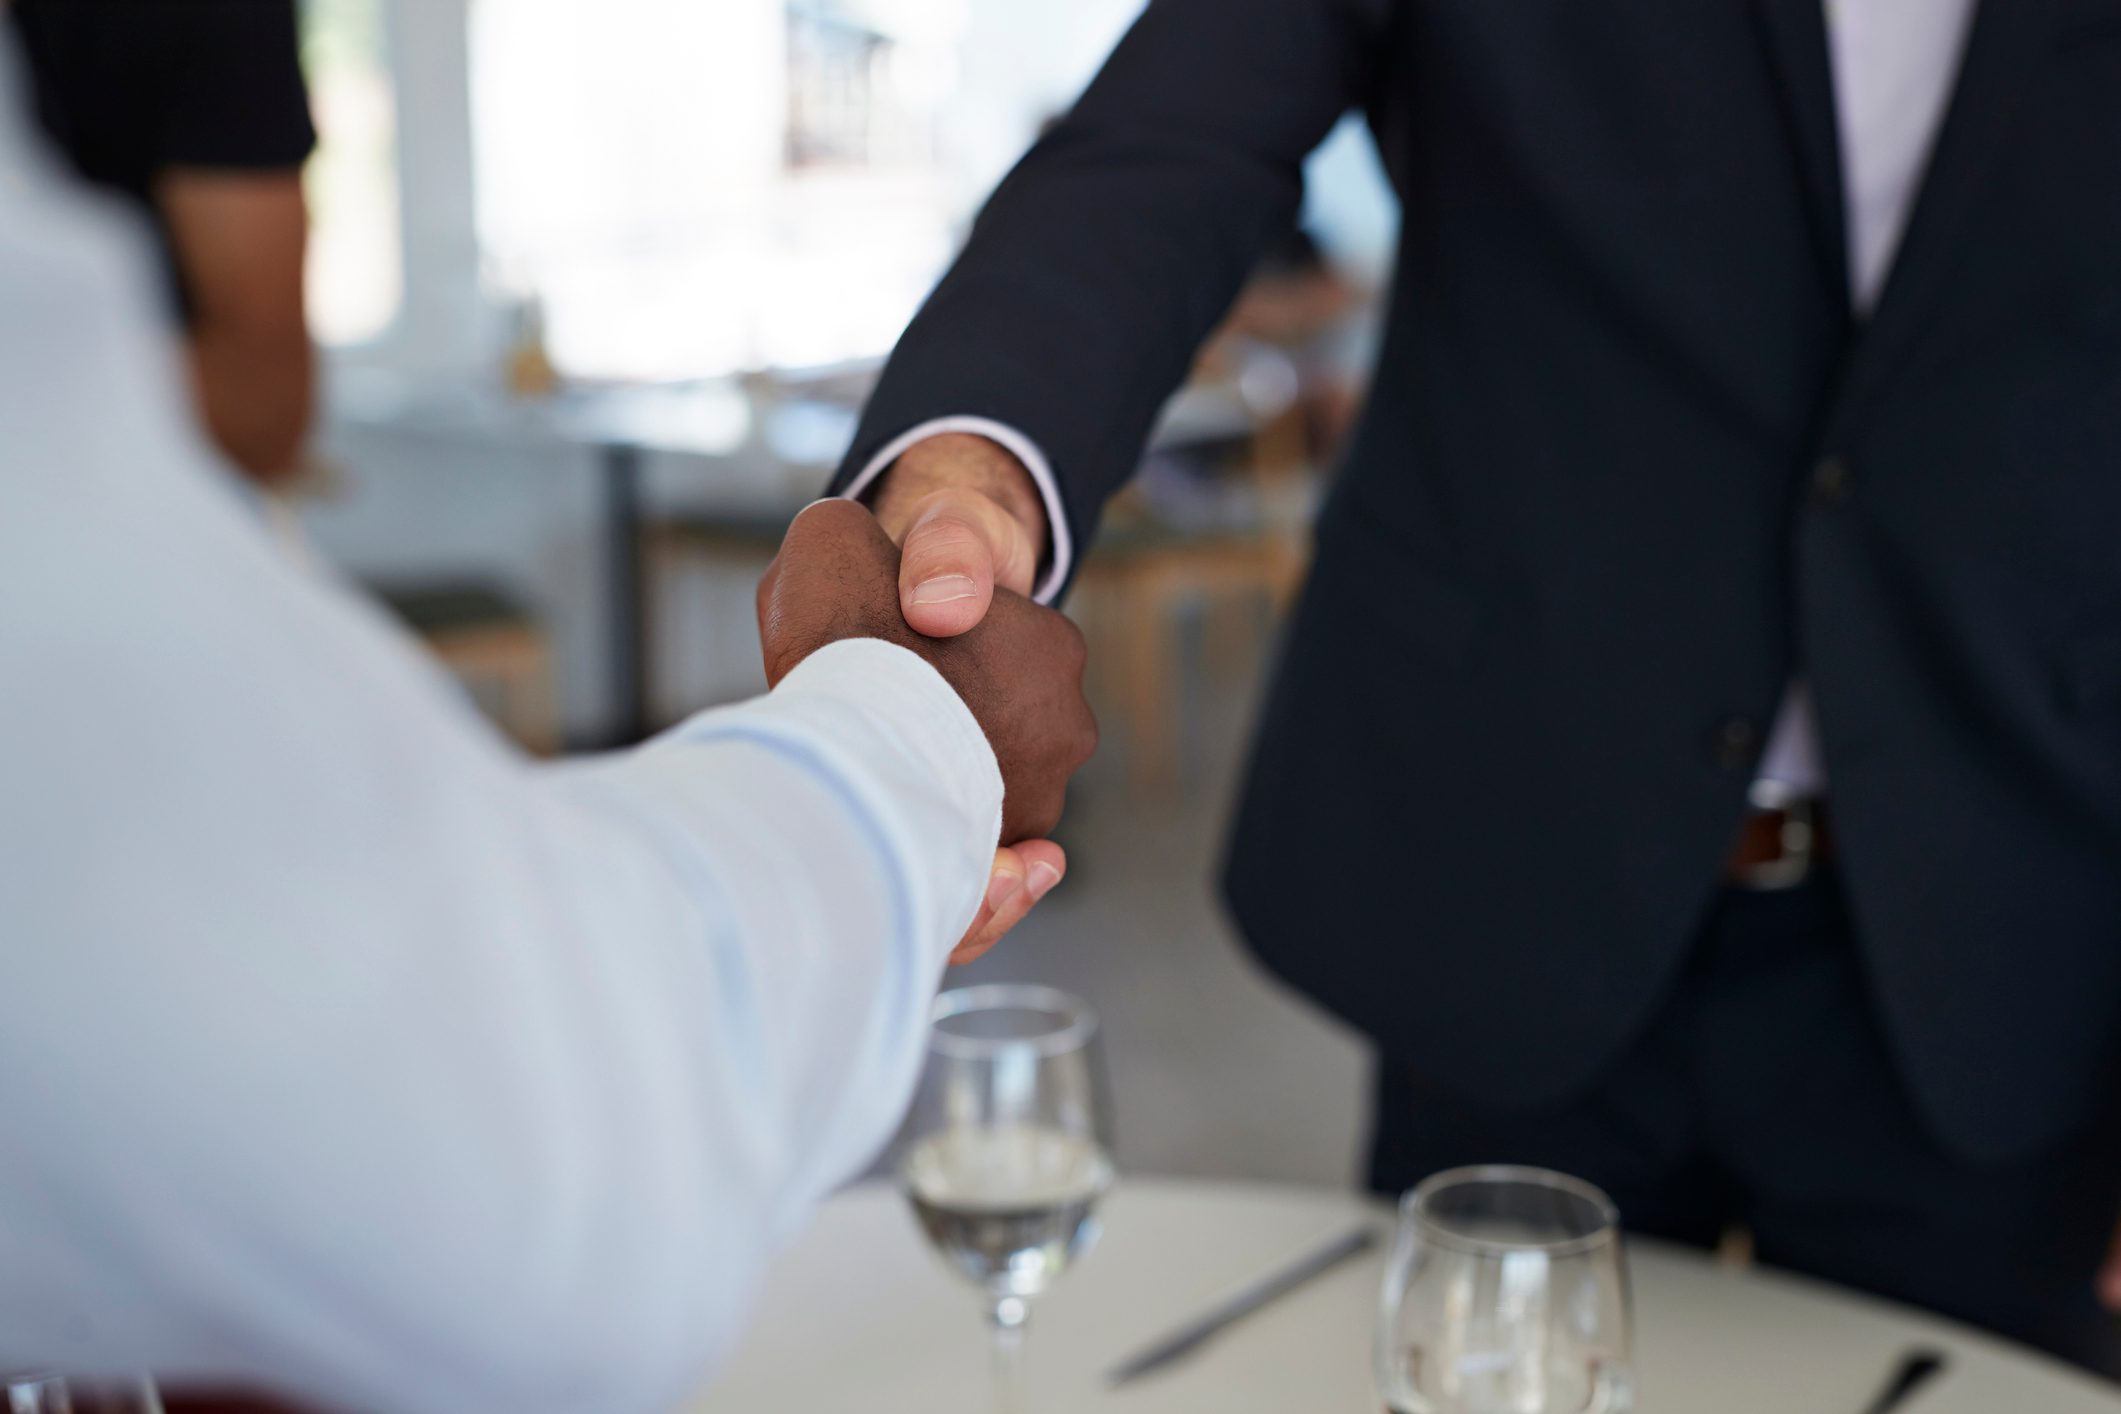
(241, 241)
(255, 392)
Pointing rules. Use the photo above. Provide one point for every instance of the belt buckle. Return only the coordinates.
(1800, 846)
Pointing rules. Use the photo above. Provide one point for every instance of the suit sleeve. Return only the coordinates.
(1102, 261)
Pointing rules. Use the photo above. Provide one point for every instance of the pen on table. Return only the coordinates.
(1916, 1369)
(1216, 1319)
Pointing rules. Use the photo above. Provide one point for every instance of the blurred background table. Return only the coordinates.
(859, 1315)
(622, 425)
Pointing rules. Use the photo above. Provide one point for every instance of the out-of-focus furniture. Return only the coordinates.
(858, 1313)
(493, 645)
(485, 637)
(621, 425)
(743, 538)
(802, 424)
(1247, 549)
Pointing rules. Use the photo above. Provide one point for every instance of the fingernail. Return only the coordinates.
(1042, 879)
(943, 589)
(1001, 888)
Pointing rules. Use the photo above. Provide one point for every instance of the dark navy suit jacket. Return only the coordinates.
(1630, 465)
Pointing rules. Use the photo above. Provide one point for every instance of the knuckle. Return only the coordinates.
(1043, 815)
(819, 529)
(1070, 650)
(946, 538)
(829, 513)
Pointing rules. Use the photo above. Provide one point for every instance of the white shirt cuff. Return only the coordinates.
(919, 710)
(883, 722)
(1017, 445)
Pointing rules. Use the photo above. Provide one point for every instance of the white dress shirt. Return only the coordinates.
(1895, 63)
(345, 1050)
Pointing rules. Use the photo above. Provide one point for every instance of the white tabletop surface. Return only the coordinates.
(859, 1316)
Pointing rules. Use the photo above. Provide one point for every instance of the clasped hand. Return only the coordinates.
(1017, 665)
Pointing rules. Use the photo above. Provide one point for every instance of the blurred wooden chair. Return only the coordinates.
(486, 638)
(1145, 571)
(803, 420)
(752, 539)
(493, 645)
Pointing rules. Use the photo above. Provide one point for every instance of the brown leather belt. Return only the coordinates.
(1779, 848)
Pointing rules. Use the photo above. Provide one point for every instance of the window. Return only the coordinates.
(851, 104)
(691, 189)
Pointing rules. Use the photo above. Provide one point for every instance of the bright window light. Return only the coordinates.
(356, 277)
(692, 189)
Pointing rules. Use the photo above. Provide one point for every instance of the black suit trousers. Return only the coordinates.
(1764, 1094)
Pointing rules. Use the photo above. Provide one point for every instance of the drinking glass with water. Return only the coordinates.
(1506, 1293)
(35, 1394)
(1006, 1153)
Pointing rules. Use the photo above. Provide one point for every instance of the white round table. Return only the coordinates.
(858, 1315)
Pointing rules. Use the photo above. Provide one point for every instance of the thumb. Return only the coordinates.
(946, 573)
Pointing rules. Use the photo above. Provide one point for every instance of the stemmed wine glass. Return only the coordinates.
(1507, 1293)
(1006, 1153)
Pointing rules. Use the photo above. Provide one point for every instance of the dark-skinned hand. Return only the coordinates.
(1019, 670)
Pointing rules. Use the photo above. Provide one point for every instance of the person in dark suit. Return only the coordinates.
(1696, 759)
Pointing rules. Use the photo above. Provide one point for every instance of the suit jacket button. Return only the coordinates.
(1734, 743)
(1831, 481)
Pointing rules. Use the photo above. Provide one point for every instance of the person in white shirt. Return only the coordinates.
(350, 1055)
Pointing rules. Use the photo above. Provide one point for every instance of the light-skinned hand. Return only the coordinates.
(969, 520)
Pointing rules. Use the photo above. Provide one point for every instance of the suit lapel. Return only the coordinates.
(1794, 32)
(2003, 51)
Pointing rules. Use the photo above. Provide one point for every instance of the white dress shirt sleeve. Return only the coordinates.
(345, 1050)
(1026, 451)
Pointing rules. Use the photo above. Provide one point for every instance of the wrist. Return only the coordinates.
(959, 462)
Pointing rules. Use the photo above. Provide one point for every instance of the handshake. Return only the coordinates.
(972, 530)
